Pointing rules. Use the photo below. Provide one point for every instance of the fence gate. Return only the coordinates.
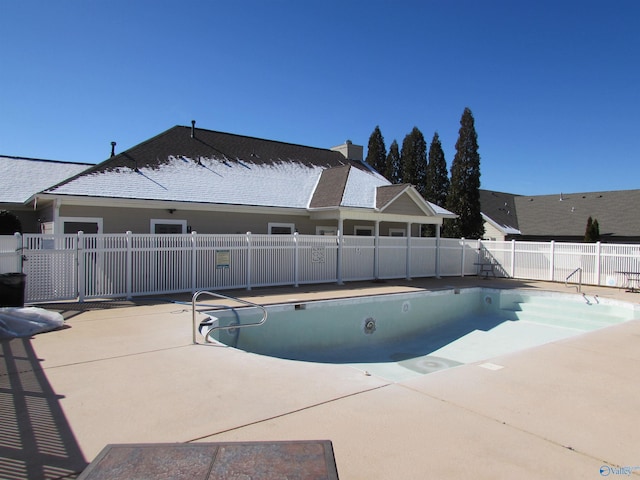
(50, 263)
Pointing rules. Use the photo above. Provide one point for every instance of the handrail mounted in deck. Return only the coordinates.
(579, 272)
(228, 327)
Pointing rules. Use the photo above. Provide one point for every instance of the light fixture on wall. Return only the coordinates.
(171, 210)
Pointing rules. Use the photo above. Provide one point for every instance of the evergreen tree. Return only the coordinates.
(376, 151)
(9, 223)
(437, 174)
(392, 169)
(592, 232)
(589, 230)
(437, 182)
(413, 159)
(463, 198)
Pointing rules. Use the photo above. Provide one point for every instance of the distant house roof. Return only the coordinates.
(21, 178)
(500, 209)
(564, 216)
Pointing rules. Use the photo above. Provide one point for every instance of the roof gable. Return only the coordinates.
(404, 199)
(404, 205)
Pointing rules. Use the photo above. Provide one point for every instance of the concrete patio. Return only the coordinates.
(127, 372)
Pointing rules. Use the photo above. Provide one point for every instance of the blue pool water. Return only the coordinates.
(418, 332)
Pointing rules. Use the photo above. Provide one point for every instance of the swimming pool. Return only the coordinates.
(420, 332)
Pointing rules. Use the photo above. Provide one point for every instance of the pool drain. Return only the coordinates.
(369, 325)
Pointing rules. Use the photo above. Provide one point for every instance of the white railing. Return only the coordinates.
(86, 266)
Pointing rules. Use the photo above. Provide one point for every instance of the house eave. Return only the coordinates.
(167, 204)
(369, 214)
(505, 229)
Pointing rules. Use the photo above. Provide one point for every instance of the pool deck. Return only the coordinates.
(127, 372)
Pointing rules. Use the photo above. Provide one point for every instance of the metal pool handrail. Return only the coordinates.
(228, 297)
(579, 272)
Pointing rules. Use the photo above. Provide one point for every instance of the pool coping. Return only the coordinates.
(130, 375)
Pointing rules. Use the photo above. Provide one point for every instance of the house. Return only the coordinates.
(561, 217)
(192, 179)
(21, 178)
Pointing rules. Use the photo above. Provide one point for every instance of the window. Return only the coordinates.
(361, 231)
(281, 228)
(168, 226)
(397, 232)
(83, 224)
(326, 231)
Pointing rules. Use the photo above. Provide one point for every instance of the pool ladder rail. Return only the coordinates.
(579, 285)
(194, 304)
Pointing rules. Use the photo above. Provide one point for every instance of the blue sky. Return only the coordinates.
(554, 86)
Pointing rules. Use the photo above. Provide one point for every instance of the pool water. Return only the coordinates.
(398, 336)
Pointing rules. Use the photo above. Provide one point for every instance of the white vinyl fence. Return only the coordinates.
(82, 266)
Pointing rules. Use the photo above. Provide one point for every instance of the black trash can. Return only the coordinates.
(12, 289)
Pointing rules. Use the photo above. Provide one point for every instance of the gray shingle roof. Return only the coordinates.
(564, 216)
(222, 168)
(21, 178)
(500, 207)
(330, 188)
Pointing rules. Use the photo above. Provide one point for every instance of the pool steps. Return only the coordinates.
(580, 316)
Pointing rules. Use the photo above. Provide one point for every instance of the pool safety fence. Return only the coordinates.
(83, 266)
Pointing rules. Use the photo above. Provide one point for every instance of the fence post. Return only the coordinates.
(552, 260)
(19, 251)
(248, 236)
(194, 262)
(129, 265)
(462, 257)
(80, 262)
(296, 252)
(408, 256)
(438, 259)
(597, 260)
(513, 259)
(340, 240)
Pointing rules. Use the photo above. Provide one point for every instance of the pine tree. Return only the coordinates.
(592, 232)
(376, 151)
(437, 182)
(392, 169)
(413, 159)
(463, 198)
(589, 230)
(437, 174)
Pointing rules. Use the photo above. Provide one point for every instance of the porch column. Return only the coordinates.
(438, 251)
(408, 256)
(58, 227)
(339, 253)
